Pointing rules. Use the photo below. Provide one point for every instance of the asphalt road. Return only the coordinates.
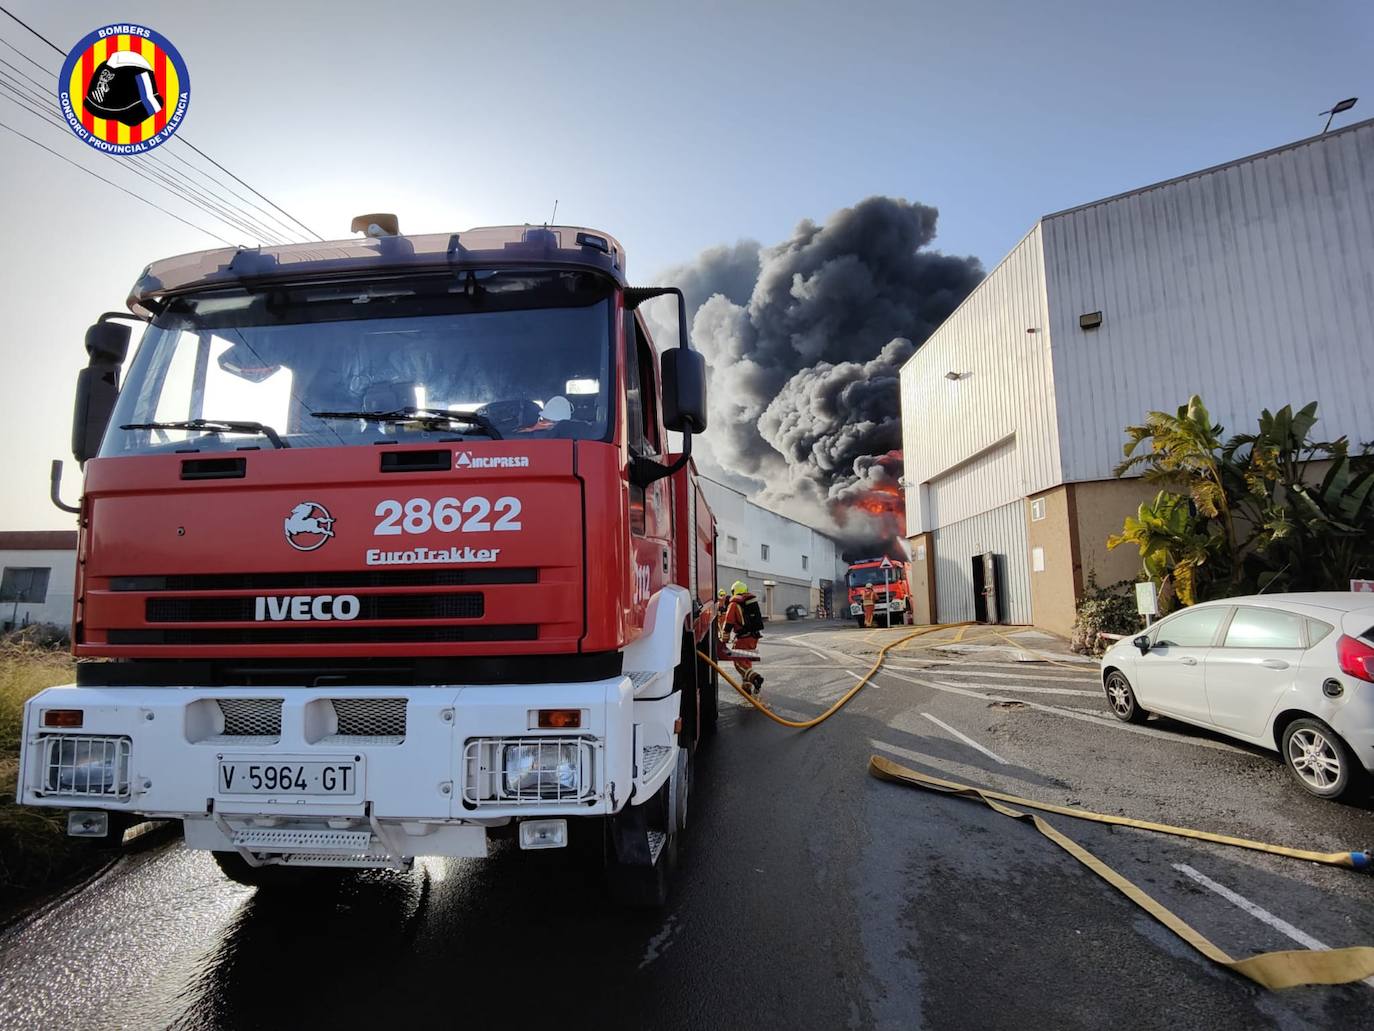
(810, 894)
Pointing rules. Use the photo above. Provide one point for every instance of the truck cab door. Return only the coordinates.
(651, 515)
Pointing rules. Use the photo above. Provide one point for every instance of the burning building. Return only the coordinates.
(804, 341)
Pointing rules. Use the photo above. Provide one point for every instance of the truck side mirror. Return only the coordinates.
(97, 385)
(684, 390)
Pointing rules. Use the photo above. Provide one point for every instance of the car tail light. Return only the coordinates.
(1356, 658)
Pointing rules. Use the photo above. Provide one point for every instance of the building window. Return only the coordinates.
(805, 562)
(731, 545)
(763, 552)
(22, 584)
(1038, 509)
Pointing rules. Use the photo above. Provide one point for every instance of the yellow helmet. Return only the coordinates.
(739, 587)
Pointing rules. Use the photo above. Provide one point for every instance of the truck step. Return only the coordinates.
(336, 860)
(260, 839)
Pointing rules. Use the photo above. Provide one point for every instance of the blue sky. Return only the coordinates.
(675, 126)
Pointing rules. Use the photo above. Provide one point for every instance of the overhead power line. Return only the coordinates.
(34, 32)
(121, 189)
(158, 174)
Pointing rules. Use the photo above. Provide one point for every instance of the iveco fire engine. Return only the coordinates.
(385, 554)
(890, 586)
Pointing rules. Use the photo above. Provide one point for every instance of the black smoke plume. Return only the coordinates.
(804, 341)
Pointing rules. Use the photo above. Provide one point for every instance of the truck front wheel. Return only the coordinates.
(642, 843)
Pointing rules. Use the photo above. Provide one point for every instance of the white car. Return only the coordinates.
(1289, 672)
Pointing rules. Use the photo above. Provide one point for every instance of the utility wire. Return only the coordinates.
(121, 189)
(155, 174)
(237, 217)
(183, 139)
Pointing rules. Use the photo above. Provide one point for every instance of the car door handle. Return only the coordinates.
(1188, 660)
(1274, 664)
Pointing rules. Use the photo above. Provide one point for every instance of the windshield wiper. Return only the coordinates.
(213, 426)
(428, 417)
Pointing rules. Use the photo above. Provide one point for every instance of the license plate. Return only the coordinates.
(285, 777)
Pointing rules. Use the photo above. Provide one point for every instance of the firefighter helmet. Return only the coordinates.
(122, 88)
(739, 587)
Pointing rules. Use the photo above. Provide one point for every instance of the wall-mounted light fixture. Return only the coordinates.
(1090, 320)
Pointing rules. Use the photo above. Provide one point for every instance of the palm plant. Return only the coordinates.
(1185, 450)
(1177, 549)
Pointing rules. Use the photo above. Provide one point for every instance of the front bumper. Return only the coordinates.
(899, 605)
(427, 761)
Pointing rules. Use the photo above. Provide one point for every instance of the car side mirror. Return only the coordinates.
(684, 390)
(97, 385)
(1143, 643)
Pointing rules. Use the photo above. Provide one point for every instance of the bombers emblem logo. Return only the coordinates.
(308, 526)
(124, 89)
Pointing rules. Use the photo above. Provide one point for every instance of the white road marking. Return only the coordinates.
(966, 739)
(1115, 724)
(1024, 674)
(1034, 690)
(870, 683)
(1258, 912)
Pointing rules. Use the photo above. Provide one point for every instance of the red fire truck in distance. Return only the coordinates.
(386, 552)
(890, 584)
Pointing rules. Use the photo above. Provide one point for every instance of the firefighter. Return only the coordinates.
(722, 603)
(869, 598)
(744, 625)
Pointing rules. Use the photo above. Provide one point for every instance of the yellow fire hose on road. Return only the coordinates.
(1271, 969)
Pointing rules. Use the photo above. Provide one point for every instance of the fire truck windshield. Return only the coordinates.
(527, 350)
(873, 575)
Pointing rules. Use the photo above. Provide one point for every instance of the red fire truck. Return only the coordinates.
(386, 552)
(890, 585)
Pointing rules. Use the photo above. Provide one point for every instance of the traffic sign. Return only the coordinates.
(886, 563)
(1362, 586)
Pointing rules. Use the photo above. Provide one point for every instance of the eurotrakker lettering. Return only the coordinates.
(431, 556)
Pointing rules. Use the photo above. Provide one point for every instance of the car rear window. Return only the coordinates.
(1192, 629)
(1264, 628)
(1317, 630)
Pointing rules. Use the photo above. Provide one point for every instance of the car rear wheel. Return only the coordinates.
(1318, 758)
(1121, 697)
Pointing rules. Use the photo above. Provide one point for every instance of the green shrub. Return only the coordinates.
(1109, 610)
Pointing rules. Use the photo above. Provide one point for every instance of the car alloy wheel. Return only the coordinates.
(1314, 759)
(1122, 699)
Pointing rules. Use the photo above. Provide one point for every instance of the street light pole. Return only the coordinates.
(1344, 105)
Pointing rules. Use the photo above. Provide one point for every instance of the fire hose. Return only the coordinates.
(1273, 970)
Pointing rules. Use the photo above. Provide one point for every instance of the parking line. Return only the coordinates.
(966, 739)
(1258, 912)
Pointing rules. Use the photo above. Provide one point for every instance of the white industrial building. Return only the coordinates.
(783, 561)
(1251, 284)
(37, 577)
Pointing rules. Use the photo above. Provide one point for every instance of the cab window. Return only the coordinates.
(1195, 629)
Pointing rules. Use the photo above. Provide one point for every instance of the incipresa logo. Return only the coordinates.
(124, 89)
(308, 526)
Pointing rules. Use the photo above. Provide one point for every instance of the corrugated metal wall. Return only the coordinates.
(1001, 531)
(991, 479)
(1006, 390)
(1251, 284)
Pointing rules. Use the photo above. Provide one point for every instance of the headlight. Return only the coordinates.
(542, 769)
(87, 766)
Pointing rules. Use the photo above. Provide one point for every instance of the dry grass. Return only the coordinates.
(34, 848)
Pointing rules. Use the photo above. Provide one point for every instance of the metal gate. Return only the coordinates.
(1001, 531)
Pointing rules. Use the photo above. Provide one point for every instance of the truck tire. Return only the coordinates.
(859, 622)
(635, 885)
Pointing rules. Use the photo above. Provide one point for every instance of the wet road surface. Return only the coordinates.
(810, 895)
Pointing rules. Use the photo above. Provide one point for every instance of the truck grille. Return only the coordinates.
(251, 717)
(334, 633)
(370, 606)
(357, 579)
(370, 717)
